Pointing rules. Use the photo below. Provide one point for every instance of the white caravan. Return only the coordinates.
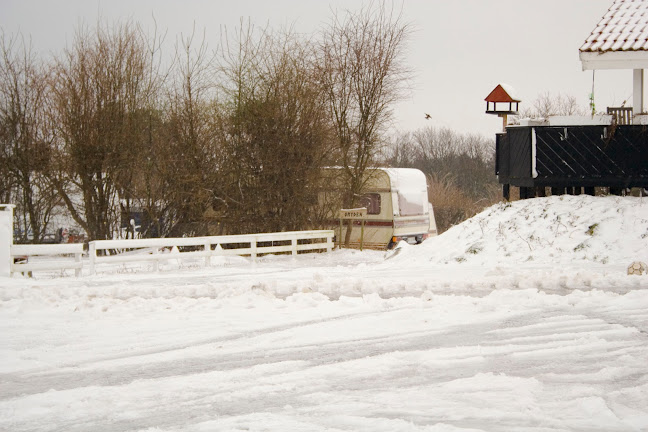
(397, 206)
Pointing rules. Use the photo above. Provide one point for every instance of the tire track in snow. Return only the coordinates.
(457, 352)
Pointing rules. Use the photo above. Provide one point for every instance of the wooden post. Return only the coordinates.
(506, 191)
(541, 191)
(253, 246)
(351, 215)
(329, 243)
(156, 263)
(207, 253)
(92, 254)
(504, 121)
(77, 259)
(293, 245)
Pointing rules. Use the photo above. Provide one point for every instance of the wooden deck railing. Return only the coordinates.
(622, 115)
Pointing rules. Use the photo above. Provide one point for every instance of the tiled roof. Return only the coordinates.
(623, 28)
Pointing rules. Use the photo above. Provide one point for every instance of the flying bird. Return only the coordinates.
(427, 116)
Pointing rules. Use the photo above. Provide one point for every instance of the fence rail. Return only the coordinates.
(57, 250)
(117, 251)
(208, 247)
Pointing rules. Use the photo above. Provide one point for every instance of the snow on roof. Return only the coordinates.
(623, 28)
(511, 92)
(410, 186)
(406, 179)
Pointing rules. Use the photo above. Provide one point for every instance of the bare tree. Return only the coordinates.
(25, 139)
(459, 168)
(276, 132)
(246, 152)
(138, 185)
(102, 95)
(362, 71)
(189, 165)
(547, 104)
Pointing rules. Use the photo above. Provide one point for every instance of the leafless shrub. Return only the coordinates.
(232, 144)
(547, 104)
(25, 138)
(451, 204)
(275, 133)
(459, 166)
(102, 93)
(362, 73)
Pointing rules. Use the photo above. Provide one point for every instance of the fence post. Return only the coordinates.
(6, 238)
(329, 242)
(77, 259)
(92, 254)
(208, 253)
(253, 246)
(293, 244)
(156, 262)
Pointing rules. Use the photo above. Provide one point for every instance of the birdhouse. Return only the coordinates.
(502, 102)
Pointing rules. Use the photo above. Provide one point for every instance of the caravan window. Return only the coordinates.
(372, 202)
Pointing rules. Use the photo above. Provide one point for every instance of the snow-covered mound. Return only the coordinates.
(553, 230)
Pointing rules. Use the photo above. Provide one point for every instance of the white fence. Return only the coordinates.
(6, 238)
(117, 251)
(207, 247)
(18, 252)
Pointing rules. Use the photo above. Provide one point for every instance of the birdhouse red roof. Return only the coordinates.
(502, 93)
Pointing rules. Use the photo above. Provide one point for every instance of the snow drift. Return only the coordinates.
(555, 230)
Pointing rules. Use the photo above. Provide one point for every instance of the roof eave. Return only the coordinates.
(614, 60)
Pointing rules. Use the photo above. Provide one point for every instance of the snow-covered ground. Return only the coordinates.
(522, 318)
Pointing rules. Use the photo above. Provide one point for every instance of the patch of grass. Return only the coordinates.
(475, 249)
(602, 260)
(591, 230)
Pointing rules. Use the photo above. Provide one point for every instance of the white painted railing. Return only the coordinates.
(136, 250)
(244, 244)
(57, 250)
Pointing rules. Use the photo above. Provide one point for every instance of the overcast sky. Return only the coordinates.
(459, 50)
